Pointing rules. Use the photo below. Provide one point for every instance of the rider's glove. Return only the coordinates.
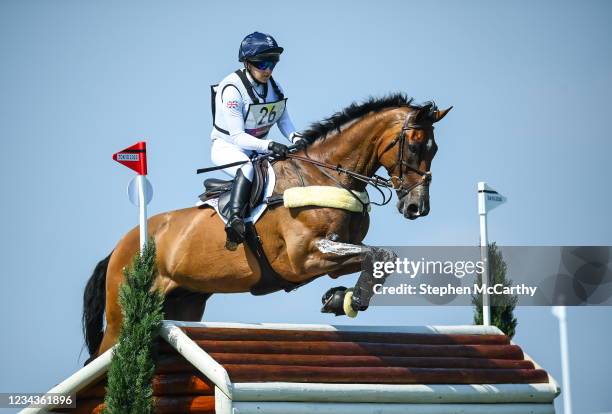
(278, 149)
(300, 144)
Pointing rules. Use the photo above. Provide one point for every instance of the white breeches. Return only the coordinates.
(222, 152)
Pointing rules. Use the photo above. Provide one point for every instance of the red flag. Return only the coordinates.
(134, 157)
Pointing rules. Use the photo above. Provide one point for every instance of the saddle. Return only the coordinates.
(221, 189)
(270, 281)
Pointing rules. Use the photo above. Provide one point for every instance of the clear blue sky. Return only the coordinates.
(531, 83)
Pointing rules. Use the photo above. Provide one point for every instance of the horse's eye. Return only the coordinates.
(413, 148)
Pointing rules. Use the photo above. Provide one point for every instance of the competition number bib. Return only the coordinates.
(261, 117)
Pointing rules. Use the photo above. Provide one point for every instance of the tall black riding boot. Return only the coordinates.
(237, 204)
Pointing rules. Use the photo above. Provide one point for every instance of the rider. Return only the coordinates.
(246, 104)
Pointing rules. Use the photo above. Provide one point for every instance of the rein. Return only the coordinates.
(377, 181)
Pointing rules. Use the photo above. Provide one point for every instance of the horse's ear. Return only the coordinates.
(438, 115)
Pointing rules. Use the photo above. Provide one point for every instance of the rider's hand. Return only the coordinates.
(278, 149)
(300, 144)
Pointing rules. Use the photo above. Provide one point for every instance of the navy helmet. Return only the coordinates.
(259, 46)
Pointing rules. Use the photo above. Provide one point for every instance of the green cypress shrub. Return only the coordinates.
(129, 389)
(501, 306)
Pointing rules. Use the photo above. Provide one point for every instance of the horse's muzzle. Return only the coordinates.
(415, 204)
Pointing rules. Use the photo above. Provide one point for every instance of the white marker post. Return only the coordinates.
(488, 199)
(140, 191)
(142, 216)
(560, 313)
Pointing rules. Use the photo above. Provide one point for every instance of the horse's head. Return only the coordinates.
(407, 156)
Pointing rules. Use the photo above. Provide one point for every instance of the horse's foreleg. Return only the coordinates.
(350, 259)
(364, 288)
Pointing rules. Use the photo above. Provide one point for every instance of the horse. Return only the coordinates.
(301, 244)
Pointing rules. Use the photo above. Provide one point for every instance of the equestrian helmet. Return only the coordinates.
(259, 46)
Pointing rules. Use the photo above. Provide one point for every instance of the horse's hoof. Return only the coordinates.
(338, 301)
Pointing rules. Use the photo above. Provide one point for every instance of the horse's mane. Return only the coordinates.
(356, 110)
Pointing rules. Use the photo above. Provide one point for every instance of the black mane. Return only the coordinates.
(357, 110)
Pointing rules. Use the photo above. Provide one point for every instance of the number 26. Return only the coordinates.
(270, 113)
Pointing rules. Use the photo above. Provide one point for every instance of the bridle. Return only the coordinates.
(426, 176)
(377, 181)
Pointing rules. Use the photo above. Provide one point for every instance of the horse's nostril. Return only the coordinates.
(412, 208)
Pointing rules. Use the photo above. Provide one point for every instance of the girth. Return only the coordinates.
(270, 281)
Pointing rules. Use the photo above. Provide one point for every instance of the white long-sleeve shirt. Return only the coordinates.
(232, 103)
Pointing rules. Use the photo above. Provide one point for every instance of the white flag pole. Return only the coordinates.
(142, 204)
(484, 253)
(560, 313)
(488, 199)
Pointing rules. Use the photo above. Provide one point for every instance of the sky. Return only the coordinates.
(530, 83)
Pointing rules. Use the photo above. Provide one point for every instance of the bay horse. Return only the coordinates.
(300, 243)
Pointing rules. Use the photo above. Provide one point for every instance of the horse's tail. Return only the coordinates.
(94, 299)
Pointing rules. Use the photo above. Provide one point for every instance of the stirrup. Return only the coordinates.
(235, 232)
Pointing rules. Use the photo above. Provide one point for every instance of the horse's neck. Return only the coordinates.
(354, 148)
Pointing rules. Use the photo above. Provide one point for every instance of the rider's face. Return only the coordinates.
(261, 76)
